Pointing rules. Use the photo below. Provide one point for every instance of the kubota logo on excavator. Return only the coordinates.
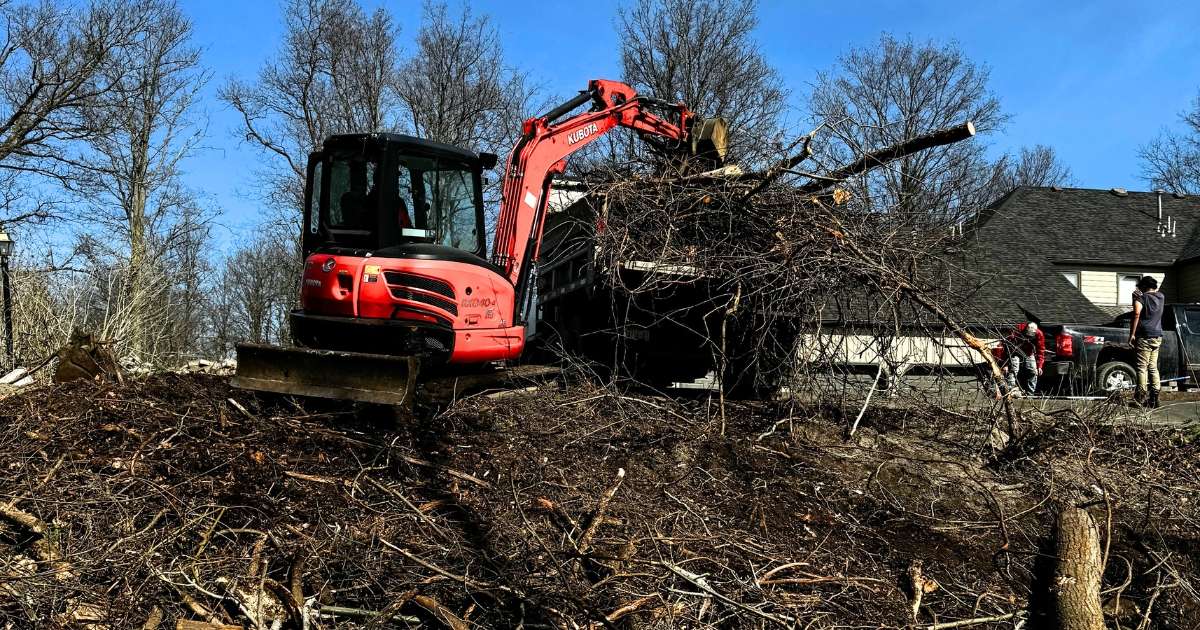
(580, 134)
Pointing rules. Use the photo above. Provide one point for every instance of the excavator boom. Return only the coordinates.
(545, 144)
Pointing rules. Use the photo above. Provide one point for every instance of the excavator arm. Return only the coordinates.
(542, 151)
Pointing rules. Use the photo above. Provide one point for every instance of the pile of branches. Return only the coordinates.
(176, 500)
(781, 250)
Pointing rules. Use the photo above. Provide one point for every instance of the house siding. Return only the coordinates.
(1100, 286)
(1188, 279)
(905, 351)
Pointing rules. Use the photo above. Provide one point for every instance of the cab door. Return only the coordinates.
(1188, 325)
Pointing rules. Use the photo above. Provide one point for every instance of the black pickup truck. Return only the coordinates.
(1083, 359)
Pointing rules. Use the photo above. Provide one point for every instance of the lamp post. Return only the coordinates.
(6, 246)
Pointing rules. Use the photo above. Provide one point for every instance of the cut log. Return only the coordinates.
(1077, 573)
(938, 138)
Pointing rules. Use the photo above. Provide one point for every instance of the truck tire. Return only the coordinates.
(1116, 375)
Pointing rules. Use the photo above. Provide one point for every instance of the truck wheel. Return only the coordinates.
(1115, 376)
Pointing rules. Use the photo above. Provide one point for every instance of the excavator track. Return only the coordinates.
(361, 377)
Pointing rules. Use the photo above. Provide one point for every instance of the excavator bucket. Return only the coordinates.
(370, 378)
(710, 140)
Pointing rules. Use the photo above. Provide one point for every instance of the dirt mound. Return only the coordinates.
(176, 498)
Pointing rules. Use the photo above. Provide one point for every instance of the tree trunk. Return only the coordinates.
(1077, 574)
(136, 280)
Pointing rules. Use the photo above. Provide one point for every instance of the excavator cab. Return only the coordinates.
(371, 192)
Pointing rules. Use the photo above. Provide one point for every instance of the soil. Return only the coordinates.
(175, 497)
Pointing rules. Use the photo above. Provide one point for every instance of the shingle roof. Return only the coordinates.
(1024, 234)
(1087, 225)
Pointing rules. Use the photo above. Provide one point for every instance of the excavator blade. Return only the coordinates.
(370, 378)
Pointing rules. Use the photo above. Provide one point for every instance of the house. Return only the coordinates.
(1051, 255)
(1075, 254)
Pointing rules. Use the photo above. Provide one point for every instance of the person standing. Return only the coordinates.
(1145, 335)
(1025, 355)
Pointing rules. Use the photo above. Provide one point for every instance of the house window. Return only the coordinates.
(1125, 288)
(1072, 277)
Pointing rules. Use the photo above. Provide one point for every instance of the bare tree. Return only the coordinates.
(56, 62)
(130, 179)
(703, 53)
(1172, 161)
(331, 75)
(1033, 166)
(897, 90)
(456, 87)
(252, 297)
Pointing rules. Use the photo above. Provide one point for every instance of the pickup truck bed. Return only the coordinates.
(1082, 358)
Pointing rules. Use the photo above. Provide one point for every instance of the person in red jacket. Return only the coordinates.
(1024, 356)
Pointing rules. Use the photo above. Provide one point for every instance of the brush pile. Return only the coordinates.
(174, 501)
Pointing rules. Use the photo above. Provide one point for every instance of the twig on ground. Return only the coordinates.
(586, 539)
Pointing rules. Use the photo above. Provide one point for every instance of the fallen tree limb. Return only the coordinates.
(962, 623)
(449, 471)
(20, 517)
(358, 613)
(950, 135)
(312, 478)
(699, 582)
(440, 612)
(586, 539)
(838, 233)
(403, 499)
(630, 608)
(867, 402)
(188, 624)
(42, 547)
(782, 167)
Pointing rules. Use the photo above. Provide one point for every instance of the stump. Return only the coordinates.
(85, 357)
(1077, 573)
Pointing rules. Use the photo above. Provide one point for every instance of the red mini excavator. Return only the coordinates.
(395, 269)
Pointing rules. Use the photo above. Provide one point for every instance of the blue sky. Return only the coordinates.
(1093, 80)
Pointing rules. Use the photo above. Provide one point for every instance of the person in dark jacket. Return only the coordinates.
(1145, 335)
(1024, 357)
